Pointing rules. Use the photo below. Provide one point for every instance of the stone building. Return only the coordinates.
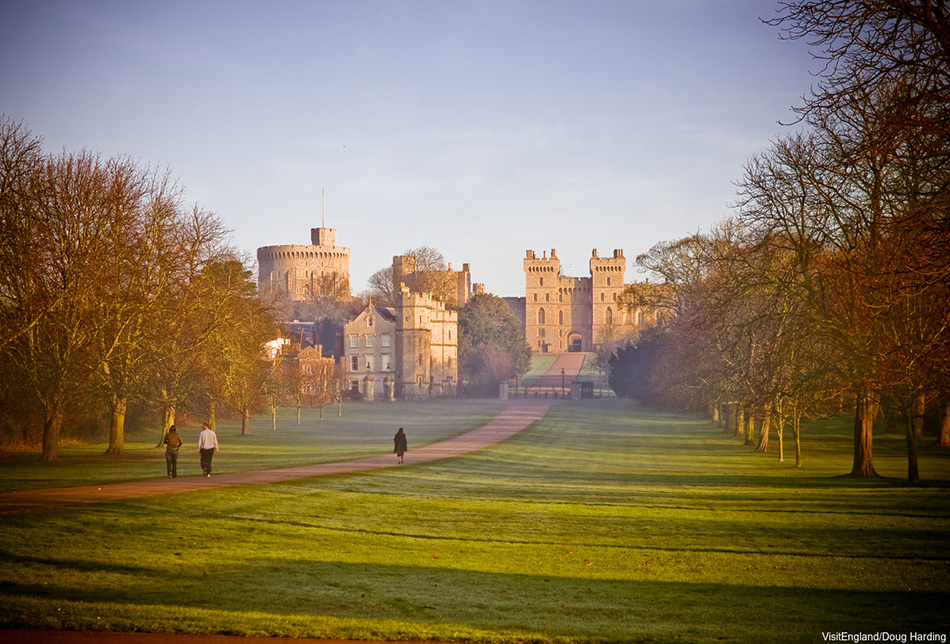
(566, 314)
(302, 273)
(369, 345)
(408, 352)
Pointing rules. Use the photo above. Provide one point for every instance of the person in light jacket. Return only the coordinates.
(207, 447)
(401, 445)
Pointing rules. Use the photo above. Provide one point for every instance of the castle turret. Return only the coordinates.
(303, 273)
(607, 282)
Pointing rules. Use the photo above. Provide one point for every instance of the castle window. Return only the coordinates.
(608, 281)
(560, 317)
(601, 297)
(547, 297)
(541, 316)
(609, 316)
(369, 321)
(535, 297)
(542, 282)
(355, 363)
(560, 297)
(542, 332)
(639, 318)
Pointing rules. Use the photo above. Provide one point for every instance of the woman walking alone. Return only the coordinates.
(401, 446)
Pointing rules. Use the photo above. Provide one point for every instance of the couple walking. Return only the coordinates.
(207, 447)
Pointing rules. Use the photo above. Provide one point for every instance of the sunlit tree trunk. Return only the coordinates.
(715, 414)
(273, 417)
(298, 415)
(168, 419)
(212, 417)
(797, 432)
(944, 440)
(750, 429)
(865, 410)
(117, 426)
(245, 421)
(764, 431)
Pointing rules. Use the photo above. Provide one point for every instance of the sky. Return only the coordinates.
(480, 128)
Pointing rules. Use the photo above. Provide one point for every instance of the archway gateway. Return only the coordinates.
(575, 342)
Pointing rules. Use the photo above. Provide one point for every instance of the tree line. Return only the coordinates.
(115, 294)
(829, 288)
(117, 297)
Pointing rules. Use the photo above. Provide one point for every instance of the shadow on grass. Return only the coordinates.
(549, 607)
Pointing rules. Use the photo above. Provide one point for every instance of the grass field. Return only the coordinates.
(362, 430)
(601, 523)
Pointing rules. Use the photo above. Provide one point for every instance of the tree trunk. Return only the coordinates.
(920, 408)
(321, 412)
(764, 432)
(245, 422)
(913, 474)
(944, 440)
(273, 417)
(797, 432)
(117, 426)
(740, 421)
(298, 415)
(212, 417)
(865, 410)
(52, 425)
(750, 429)
(729, 410)
(715, 414)
(168, 419)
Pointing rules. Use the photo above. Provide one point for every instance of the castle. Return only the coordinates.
(410, 350)
(568, 314)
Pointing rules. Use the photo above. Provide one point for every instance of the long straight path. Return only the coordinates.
(514, 418)
(571, 365)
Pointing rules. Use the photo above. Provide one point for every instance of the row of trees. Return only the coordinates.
(830, 288)
(114, 293)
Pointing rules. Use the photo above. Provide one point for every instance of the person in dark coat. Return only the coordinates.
(401, 446)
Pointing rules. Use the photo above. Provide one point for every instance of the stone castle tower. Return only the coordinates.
(565, 314)
(303, 273)
(426, 347)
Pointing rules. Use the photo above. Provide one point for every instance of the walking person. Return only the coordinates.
(172, 443)
(207, 447)
(401, 445)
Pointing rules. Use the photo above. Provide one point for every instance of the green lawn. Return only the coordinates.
(601, 523)
(364, 429)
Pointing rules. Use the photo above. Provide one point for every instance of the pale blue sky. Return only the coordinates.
(480, 128)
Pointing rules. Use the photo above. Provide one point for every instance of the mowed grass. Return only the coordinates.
(364, 429)
(600, 523)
